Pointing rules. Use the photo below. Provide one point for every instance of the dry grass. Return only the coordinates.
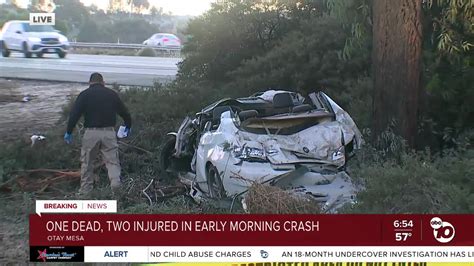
(265, 199)
(123, 52)
(7, 93)
(41, 180)
(99, 51)
(10, 98)
(7, 85)
(147, 51)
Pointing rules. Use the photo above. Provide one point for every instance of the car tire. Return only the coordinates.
(26, 53)
(214, 182)
(62, 54)
(39, 55)
(5, 51)
(166, 154)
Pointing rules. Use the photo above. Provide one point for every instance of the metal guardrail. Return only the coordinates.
(121, 46)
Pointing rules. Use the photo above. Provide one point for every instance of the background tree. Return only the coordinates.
(133, 30)
(155, 11)
(231, 32)
(90, 32)
(10, 12)
(116, 5)
(73, 13)
(139, 6)
(397, 50)
(448, 113)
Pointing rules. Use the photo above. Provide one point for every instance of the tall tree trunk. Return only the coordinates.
(397, 48)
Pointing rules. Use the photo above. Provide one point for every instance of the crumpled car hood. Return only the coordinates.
(314, 144)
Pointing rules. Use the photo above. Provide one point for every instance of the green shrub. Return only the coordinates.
(417, 182)
(147, 51)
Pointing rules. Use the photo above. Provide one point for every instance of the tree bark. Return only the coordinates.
(397, 50)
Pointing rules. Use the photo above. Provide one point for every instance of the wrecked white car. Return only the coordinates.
(275, 137)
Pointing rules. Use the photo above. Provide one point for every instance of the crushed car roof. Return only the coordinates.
(257, 100)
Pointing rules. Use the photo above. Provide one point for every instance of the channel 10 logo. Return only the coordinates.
(443, 231)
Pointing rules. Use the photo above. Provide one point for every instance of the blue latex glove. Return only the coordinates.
(127, 131)
(68, 138)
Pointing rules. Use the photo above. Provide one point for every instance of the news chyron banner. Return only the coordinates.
(92, 231)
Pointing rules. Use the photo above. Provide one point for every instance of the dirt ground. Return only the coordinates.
(26, 108)
(31, 107)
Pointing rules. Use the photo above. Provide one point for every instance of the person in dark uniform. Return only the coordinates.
(99, 105)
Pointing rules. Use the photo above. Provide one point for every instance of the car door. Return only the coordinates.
(8, 35)
(17, 35)
(157, 40)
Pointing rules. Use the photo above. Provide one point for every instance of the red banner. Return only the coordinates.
(250, 230)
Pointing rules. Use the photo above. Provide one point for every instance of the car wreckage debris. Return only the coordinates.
(36, 138)
(278, 138)
(161, 192)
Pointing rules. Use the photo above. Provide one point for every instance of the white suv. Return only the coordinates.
(32, 39)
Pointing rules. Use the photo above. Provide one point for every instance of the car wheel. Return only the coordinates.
(166, 154)
(214, 182)
(62, 54)
(5, 51)
(26, 53)
(39, 55)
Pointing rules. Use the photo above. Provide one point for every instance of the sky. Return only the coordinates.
(176, 7)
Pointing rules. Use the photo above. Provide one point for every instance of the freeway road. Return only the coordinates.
(123, 70)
